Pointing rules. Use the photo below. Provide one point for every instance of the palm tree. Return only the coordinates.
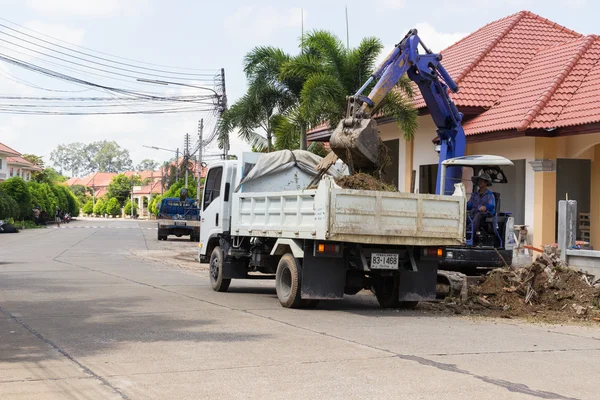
(269, 104)
(331, 71)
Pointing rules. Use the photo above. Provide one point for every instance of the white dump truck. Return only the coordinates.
(261, 215)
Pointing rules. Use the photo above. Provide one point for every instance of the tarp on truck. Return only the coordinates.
(283, 160)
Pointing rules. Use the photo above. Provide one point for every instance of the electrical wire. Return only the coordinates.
(99, 52)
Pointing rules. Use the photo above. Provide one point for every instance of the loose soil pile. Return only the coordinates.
(546, 291)
(362, 181)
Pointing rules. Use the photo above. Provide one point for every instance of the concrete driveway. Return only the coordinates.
(99, 310)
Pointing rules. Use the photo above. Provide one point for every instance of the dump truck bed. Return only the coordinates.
(356, 216)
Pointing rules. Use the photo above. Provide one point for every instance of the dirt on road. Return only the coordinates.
(545, 291)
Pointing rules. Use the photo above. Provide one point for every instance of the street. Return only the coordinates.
(99, 309)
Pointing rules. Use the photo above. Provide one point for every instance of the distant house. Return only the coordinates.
(13, 164)
(529, 91)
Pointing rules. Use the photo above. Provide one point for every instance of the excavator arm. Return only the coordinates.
(356, 140)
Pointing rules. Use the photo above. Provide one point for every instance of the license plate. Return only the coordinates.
(384, 261)
(177, 223)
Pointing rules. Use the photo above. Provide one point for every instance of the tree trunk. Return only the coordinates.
(303, 144)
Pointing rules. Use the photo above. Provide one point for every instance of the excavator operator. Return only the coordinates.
(482, 203)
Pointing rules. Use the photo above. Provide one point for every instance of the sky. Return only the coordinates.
(211, 35)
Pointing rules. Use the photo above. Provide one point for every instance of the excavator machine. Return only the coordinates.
(356, 142)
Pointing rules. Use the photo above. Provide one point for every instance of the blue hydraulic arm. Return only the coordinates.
(356, 138)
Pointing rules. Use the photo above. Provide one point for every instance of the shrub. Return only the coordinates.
(8, 206)
(128, 207)
(88, 208)
(100, 207)
(113, 207)
(17, 189)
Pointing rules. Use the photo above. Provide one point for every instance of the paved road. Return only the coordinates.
(83, 317)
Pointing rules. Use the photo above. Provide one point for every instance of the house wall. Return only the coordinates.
(3, 168)
(580, 147)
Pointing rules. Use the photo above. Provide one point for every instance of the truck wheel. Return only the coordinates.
(218, 283)
(386, 291)
(287, 282)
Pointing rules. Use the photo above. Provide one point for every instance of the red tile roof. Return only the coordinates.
(97, 179)
(4, 149)
(485, 63)
(559, 87)
(72, 181)
(24, 163)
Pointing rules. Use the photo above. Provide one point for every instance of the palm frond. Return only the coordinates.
(287, 134)
(401, 108)
(329, 48)
(406, 86)
(264, 62)
(361, 61)
(322, 96)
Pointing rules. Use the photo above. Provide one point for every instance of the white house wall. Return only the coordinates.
(390, 131)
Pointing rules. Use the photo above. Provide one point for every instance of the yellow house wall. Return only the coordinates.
(540, 187)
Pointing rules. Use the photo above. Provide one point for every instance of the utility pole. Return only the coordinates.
(132, 207)
(222, 109)
(199, 162)
(177, 165)
(186, 156)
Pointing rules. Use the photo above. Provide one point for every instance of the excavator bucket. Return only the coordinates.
(356, 143)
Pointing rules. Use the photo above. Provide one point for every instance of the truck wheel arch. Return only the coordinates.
(283, 246)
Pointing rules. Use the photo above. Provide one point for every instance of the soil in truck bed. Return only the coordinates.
(362, 181)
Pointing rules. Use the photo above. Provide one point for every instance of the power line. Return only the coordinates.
(86, 66)
(99, 52)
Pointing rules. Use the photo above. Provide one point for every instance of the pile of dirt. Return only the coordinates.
(362, 181)
(547, 290)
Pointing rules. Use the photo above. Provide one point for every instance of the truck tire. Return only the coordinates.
(218, 283)
(161, 235)
(287, 282)
(386, 291)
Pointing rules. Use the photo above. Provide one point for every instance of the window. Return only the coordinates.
(212, 188)
(11, 172)
(1, 163)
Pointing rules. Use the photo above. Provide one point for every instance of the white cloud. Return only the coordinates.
(259, 23)
(390, 4)
(434, 40)
(437, 41)
(88, 8)
(58, 31)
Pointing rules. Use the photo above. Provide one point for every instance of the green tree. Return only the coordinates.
(127, 209)
(82, 193)
(269, 108)
(8, 206)
(120, 188)
(80, 158)
(36, 160)
(113, 207)
(331, 71)
(17, 189)
(148, 165)
(100, 207)
(88, 207)
(49, 175)
(154, 203)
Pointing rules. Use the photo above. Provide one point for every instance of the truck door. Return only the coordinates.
(211, 222)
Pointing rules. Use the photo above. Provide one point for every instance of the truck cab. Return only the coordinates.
(178, 217)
